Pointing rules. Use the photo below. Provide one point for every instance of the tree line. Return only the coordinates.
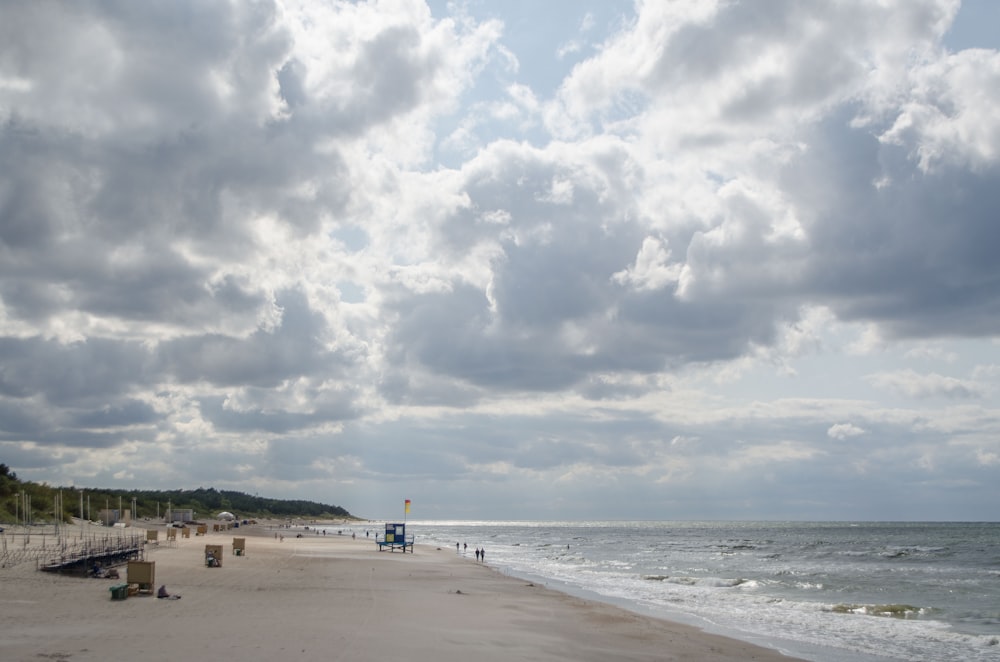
(205, 502)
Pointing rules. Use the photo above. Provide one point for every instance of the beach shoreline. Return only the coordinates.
(311, 596)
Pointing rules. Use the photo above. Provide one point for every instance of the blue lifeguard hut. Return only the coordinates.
(394, 538)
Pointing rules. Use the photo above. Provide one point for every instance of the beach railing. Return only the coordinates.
(80, 555)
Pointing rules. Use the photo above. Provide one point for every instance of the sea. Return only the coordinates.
(821, 591)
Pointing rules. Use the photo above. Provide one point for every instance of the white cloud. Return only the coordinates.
(946, 120)
(844, 431)
(915, 385)
(358, 243)
(766, 454)
(652, 269)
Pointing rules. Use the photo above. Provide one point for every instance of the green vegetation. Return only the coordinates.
(205, 502)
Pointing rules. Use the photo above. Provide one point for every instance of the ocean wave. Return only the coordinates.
(864, 589)
(891, 611)
(711, 582)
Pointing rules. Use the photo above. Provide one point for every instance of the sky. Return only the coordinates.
(575, 259)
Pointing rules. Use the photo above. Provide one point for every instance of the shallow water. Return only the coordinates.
(823, 591)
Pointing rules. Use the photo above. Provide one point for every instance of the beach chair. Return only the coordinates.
(213, 556)
(142, 574)
(240, 546)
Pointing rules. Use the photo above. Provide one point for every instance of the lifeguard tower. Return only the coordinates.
(395, 537)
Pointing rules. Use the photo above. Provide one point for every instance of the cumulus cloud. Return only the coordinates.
(331, 237)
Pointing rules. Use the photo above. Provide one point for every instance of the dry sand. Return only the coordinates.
(330, 598)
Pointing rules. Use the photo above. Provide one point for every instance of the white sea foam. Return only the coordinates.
(831, 592)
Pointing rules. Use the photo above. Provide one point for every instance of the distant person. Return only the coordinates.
(162, 594)
(456, 548)
(482, 555)
(465, 548)
(477, 554)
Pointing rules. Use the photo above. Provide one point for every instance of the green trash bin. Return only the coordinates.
(119, 591)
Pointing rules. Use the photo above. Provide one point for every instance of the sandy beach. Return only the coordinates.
(330, 598)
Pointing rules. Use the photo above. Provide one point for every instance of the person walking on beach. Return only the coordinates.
(477, 554)
(482, 555)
